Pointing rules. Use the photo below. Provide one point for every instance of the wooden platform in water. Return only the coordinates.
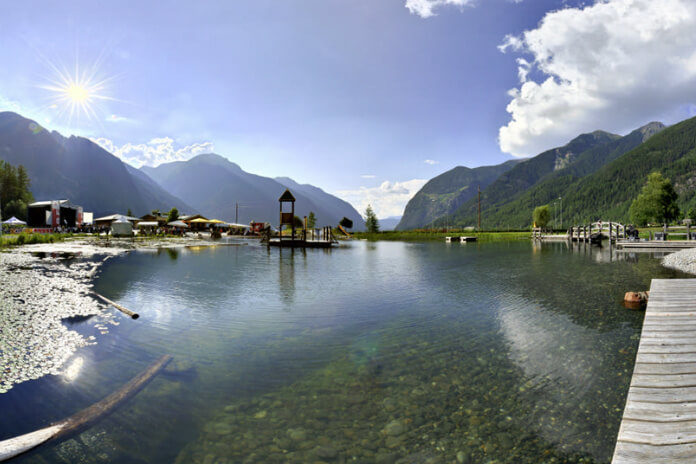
(288, 243)
(657, 244)
(659, 420)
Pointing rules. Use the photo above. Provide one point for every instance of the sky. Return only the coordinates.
(367, 99)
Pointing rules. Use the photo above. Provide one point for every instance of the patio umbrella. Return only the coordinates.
(180, 224)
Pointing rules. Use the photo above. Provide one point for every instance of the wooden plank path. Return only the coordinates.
(659, 420)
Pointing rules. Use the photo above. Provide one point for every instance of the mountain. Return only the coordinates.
(214, 185)
(559, 184)
(445, 193)
(389, 223)
(608, 193)
(513, 183)
(79, 170)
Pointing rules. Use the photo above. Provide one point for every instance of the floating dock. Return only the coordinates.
(659, 419)
(461, 239)
(299, 243)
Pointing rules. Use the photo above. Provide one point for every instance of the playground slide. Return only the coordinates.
(344, 231)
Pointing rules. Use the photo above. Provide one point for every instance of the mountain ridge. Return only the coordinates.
(76, 168)
(215, 185)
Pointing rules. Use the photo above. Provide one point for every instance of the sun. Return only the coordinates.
(78, 93)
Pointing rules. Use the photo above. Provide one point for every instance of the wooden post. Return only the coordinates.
(664, 231)
(688, 231)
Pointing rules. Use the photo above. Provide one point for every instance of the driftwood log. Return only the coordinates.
(77, 422)
(124, 310)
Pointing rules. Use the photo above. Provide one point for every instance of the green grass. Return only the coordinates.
(9, 240)
(428, 235)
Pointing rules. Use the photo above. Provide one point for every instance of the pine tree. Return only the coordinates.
(311, 220)
(371, 220)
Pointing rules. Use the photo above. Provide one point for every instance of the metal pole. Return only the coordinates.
(560, 198)
(479, 208)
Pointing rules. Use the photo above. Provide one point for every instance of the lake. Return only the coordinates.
(371, 352)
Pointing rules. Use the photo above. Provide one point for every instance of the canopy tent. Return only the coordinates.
(121, 227)
(147, 224)
(13, 221)
(239, 226)
(201, 221)
(180, 224)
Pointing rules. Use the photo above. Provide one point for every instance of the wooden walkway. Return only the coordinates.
(659, 420)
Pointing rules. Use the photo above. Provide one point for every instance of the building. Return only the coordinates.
(53, 213)
(160, 220)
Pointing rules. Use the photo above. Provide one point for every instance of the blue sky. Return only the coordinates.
(363, 98)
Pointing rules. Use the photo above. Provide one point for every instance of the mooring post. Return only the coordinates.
(664, 232)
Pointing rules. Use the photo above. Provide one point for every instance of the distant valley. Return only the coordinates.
(80, 170)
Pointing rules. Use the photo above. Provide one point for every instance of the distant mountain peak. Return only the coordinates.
(651, 129)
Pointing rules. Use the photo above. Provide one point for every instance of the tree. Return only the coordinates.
(311, 220)
(129, 212)
(298, 223)
(346, 223)
(14, 191)
(371, 220)
(541, 216)
(691, 214)
(155, 212)
(172, 216)
(656, 202)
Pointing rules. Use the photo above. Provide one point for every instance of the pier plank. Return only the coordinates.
(659, 419)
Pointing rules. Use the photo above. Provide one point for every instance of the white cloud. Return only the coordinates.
(425, 8)
(389, 199)
(117, 118)
(431, 162)
(9, 105)
(614, 65)
(155, 152)
(368, 176)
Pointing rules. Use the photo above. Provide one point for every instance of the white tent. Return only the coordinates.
(121, 227)
(180, 224)
(13, 221)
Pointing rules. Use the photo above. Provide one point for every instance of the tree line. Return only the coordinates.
(15, 195)
(657, 203)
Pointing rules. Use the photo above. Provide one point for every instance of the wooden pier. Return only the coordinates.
(659, 420)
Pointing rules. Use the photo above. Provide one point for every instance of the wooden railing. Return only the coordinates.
(671, 231)
(610, 230)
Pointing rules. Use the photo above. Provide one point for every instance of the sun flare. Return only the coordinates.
(78, 93)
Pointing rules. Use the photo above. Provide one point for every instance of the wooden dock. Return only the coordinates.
(659, 420)
(657, 245)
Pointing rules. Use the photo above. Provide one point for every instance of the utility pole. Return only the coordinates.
(560, 198)
(479, 208)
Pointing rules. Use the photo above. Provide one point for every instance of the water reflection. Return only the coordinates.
(375, 352)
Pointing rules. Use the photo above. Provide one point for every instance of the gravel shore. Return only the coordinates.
(43, 285)
(683, 260)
